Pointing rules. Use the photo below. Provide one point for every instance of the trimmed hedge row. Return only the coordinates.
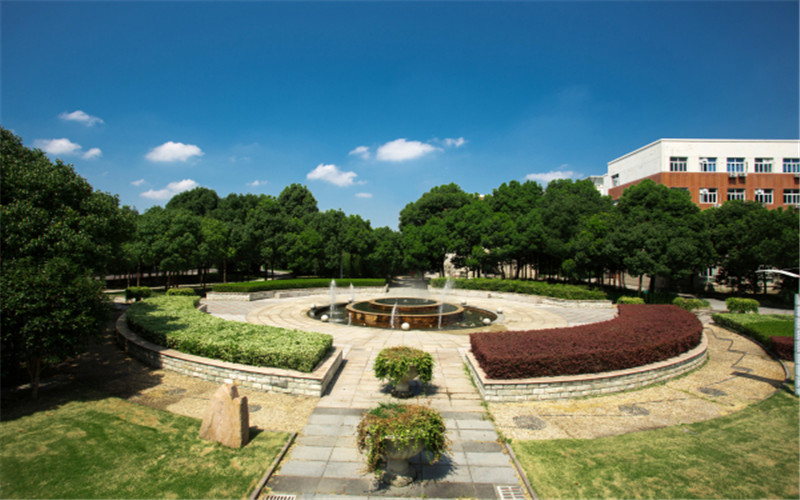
(639, 335)
(137, 292)
(558, 291)
(741, 305)
(262, 286)
(174, 322)
(764, 328)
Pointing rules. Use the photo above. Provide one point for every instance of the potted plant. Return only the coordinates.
(402, 364)
(393, 433)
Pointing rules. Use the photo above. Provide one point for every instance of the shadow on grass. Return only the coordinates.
(101, 371)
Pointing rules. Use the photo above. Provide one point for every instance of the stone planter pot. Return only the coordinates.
(402, 389)
(398, 471)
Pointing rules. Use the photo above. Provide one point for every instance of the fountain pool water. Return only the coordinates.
(419, 313)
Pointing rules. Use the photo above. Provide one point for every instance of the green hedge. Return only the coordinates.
(175, 323)
(757, 326)
(559, 291)
(630, 300)
(261, 286)
(185, 292)
(690, 304)
(137, 292)
(739, 305)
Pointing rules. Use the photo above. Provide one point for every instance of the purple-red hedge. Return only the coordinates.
(783, 347)
(641, 334)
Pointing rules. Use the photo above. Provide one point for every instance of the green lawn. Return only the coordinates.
(758, 326)
(110, 448)
(750, 454)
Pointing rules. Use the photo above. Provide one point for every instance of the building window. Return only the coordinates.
(764, 196)
(791, 165)
(736, 165)
(708, 164)
(736, 194)
(763, 165)
(791, 197)
(708, 195)
(615, 180)
(677, 164)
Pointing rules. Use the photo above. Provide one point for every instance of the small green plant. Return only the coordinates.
(690, 304)
(630, 300)
(184, 292)
(396, 363)
(740, 305)
(401, 425)
(137, 293)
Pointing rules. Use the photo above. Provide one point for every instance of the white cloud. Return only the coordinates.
(546, 177)
(403, 150)
(57, 146)
(363, 195)
(174, 151)
(332, 174)
(81, 117)
(171, 190)
(138, 183)
(257, 183)
(362, 151)
(92, 154)
(455, 143)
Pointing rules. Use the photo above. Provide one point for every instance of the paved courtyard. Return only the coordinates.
(325, 462)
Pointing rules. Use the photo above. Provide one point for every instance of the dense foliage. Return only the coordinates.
(403, 425)
(175, 323)
(560, 291)
(260, 286)
(394, 363)
(741, 305)
(57, 234)
(640, 335)
(764, 328)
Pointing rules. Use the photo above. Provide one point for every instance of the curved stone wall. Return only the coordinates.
(591, 384)
(254, 377)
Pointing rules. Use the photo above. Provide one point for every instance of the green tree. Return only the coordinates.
(298, 202)
(57, 235)
(198, 201)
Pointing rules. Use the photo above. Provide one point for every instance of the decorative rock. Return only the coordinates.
(227, 420)
(487, 321)
(324, 318)
(499, 310)
(405, 326)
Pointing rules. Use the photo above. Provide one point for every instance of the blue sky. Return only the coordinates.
(370, 104)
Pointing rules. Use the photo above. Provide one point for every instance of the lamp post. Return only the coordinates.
(796, 327)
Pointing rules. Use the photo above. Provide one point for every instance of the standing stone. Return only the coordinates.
(227, 419)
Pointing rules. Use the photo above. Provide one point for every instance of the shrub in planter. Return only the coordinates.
(184, 292)
(393, 433)
(630, 300)
(739, 305)
(402, 364)
(137, 293)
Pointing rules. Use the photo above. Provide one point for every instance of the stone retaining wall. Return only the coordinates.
(254, 377)
(343, 294)
(593, 384)
(527, 299)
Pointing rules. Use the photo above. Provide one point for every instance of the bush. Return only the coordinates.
(137, 293)
(393, 363)
(630, 300)
(174, 322)
(690, 304)
(763, 328)
(262, 286)
(559, 291)
(640, 335)
(739, 305)
(783, 347)
(184, 292)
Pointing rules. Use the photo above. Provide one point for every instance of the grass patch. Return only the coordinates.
(110, 448)
(175, 323)
(750, 454)
(758, 326)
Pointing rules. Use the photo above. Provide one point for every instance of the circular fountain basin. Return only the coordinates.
(393, 312)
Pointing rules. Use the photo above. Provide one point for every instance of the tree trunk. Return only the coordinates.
(641, 277)
(224, 270)
(34, 366)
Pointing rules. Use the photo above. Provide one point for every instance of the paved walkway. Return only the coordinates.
(324, 461)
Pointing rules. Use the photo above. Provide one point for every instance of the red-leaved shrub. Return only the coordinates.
(783, 347)
(639, 335)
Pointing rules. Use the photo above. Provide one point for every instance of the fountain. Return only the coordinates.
(404, 312)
